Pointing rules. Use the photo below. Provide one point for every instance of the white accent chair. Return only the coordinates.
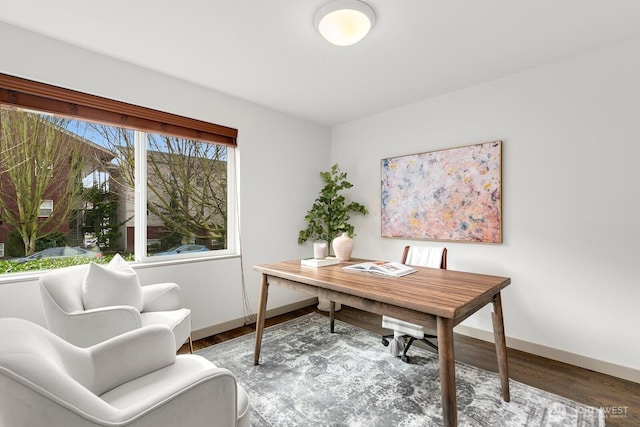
(134, 379)
(90, 303)
(434, 257)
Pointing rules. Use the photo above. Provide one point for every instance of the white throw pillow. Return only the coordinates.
(118, 263)
(114, 284)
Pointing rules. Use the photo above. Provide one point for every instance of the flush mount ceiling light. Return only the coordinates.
(344, 22)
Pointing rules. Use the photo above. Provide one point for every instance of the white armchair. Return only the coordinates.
(87, 304)
(134, 379)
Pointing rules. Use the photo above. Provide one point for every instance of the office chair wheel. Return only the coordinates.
(385, 342)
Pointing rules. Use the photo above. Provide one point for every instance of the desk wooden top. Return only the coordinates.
(446, 293)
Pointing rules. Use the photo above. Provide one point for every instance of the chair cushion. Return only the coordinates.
(179, 321)
(403, 327)
(111, 285)
(162, 384)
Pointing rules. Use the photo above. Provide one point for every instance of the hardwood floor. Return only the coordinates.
(619, 399)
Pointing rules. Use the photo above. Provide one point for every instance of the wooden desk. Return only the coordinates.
(436, 298)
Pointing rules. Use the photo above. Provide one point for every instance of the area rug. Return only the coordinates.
(309, 377)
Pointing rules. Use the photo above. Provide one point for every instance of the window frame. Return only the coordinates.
(48, 207)
(32, 95)
(141, 213)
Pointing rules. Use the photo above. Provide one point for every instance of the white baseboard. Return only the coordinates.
(585, 362)
(237, 323)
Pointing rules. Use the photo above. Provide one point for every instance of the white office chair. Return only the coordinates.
(434, 257)
(133, 380)
(89, 303)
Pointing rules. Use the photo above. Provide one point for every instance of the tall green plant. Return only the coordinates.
(330, 214)
(101, 218)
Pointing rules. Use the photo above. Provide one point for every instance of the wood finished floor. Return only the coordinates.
(620, 397)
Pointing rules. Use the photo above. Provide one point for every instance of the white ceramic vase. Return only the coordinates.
(342, 246)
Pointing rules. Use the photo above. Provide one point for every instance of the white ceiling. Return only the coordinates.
(268, 52)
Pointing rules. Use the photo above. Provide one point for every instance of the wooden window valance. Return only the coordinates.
(33, 95)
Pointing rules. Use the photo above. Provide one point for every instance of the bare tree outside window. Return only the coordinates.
(186, 187)
(31, 143)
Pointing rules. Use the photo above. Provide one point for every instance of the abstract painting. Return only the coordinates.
(452, 194)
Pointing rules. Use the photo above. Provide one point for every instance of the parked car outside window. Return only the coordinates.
(183, 249)
(59, 252)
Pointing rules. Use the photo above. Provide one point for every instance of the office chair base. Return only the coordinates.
(404, 357)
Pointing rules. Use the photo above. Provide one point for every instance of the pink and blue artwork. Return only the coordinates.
(453, 194)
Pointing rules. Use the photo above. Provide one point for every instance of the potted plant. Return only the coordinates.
(330, 214)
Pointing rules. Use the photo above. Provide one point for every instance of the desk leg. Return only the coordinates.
(332, 316)
(501, 345)
(262, 311)
(447, 361)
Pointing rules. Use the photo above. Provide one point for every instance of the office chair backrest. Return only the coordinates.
(425, 256)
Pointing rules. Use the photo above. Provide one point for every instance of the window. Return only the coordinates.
(187, 197)
(46, 208)
(45, 169)
(93, 164)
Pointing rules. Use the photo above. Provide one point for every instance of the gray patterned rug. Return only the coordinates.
(309, 377)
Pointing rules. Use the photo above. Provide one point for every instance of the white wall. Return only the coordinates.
(570, 133)
(280, 158)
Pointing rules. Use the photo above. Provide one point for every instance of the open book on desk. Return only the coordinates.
(395, 269)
